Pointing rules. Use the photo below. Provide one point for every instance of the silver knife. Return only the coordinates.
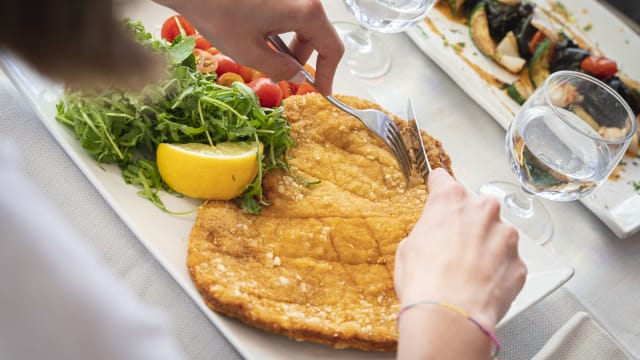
(422, 161)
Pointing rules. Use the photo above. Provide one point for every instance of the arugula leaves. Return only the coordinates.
(125, 128)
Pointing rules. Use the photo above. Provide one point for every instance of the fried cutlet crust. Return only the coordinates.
(317, 264)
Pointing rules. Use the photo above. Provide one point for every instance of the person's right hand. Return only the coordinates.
(239, 28)
(461, 253)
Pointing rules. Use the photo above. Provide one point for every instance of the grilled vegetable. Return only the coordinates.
(508, 45)
(456, 6)
(469, 5)
(539, 63)
(479, 30)
(524, 32)
(567, 56)
(504, 18)
(625, 92)
(519, 91)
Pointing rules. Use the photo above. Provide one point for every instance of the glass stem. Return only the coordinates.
(362, 36)
(520, 203)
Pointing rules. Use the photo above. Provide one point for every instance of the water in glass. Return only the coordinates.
(554, 160)
(389, 16)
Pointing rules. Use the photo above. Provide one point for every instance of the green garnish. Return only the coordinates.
(125, 128)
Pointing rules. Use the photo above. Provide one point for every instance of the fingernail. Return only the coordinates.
(298, 78)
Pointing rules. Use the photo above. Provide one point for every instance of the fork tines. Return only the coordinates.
(397, 145)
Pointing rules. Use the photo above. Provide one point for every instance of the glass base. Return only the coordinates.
(364, 52)
(522, 210)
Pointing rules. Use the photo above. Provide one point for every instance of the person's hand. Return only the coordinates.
(461, 253)
(239, 29)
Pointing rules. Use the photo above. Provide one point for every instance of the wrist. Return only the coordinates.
(435, 330)
(475, 304)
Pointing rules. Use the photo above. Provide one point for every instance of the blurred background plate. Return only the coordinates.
(447, 43)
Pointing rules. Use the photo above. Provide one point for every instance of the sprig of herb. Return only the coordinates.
(125, 128)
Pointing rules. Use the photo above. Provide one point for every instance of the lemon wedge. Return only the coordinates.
(219, 172)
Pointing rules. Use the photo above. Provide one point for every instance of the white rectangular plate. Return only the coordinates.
(166, 236)
(616, 202)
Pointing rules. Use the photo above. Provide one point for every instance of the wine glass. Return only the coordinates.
(365, 54)
(565, 141)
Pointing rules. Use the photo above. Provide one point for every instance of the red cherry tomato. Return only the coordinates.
(535, 40)
(258, 75)
(246, 72)
(306, 88)
(226, 64)
(227, 79)
(213, 50)
(205, 62)
(202, 43)
(288, 88)
(599, 66)
(268, 92)
(171, 28)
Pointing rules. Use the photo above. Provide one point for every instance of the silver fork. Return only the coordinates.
(376, 121)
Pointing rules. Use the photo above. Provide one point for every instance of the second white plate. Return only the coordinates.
(448, 44)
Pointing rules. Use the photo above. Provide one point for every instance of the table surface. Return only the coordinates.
(606, 266)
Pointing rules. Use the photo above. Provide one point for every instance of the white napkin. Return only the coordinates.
(581, 338)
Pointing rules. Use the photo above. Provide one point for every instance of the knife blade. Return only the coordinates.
(420, 154)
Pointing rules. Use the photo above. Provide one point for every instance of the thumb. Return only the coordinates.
(438, 178)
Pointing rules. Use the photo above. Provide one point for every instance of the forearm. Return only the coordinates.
(434, 332)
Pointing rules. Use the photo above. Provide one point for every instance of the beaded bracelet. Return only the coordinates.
(460, 312)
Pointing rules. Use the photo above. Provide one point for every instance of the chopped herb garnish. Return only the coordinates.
(587, 27)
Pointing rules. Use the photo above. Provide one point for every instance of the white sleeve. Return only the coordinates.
(57, 300)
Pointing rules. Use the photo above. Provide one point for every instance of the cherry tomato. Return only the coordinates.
(202, 43)
(227, 79)
(205, 62)
(246, 72)
(226, 64)
(599, 66)
(171, 28)
(258, 75)
(288, 88)
(268, 92)
(306, 88)
(533, 43)
(213, 50)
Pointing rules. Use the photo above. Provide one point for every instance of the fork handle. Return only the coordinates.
(283, 48)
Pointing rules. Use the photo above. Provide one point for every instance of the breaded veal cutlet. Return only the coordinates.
(317, 264)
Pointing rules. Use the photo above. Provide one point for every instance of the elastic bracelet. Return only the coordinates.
(460, 312)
